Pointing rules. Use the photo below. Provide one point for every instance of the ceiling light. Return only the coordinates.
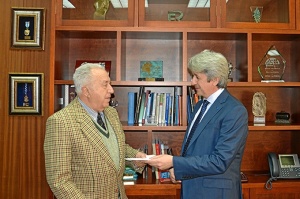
(67, 4)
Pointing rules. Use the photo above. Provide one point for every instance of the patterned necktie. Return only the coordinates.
(202, 111)
(100, 121)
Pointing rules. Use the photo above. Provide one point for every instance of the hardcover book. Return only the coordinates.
(131, 107)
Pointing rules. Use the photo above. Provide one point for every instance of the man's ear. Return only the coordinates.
(85, 91)
(216, 81)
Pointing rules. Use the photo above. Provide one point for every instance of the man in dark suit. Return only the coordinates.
(85, 159)
(212, 149)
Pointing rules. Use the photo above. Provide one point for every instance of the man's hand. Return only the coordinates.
(172, 176)
(162, 162)
(140, 164)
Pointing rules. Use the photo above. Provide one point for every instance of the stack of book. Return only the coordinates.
(129, 176)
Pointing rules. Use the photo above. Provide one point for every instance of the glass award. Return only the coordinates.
(271, 67)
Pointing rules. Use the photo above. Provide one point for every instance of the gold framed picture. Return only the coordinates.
(26, 93)
(28, 28)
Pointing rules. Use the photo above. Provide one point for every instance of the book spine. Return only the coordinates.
(149, 111)
(157, 151)
(153, 116)
(131, 104)
(66, 93)
(141, 113)
(171, 110)
(157, 108)
(138, 105)
(167, 109)
(154, 153)
(145, 106)
(161, 102)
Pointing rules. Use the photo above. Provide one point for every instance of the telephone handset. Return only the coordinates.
(283, 166)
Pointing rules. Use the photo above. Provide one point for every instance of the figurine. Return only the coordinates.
(102, 7)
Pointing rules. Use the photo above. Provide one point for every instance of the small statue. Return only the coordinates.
(102, 7)
(259, 106)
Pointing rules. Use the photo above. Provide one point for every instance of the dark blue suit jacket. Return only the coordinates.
(211, 167)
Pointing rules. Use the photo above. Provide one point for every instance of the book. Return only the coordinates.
(68, 94)
(142, 107)
(129, 176)
(154, 153)
(177, 104)
(131, 107)
(161, 104)
(138, 104)
(147, 93)
(167, 108)
(150, 120)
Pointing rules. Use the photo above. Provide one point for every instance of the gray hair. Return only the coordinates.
(212, 64)
(83, 75)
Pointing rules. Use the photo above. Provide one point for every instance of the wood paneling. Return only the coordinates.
(22, 167)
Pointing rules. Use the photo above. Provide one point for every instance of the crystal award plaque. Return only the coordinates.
(271, 67)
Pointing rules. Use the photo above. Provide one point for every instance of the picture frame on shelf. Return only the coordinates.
(26, 93)
(28, 28)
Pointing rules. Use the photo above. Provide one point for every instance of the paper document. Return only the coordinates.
(146, 158)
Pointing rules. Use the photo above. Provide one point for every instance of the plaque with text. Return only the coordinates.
(272, 66)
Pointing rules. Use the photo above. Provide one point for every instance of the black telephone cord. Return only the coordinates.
(268, 184)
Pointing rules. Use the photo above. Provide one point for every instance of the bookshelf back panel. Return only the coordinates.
(260, 143)
(85, 46)
(137, 139)
(151, 46)
(232, 46)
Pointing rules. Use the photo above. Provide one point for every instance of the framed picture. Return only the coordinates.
(28, 28)
(26, 93)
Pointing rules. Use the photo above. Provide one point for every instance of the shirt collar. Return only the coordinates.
(212, 98)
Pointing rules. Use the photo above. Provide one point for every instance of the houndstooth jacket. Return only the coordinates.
(78, 164)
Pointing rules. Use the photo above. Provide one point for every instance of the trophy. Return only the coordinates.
(256, 13)
(271, 67)
(259, 108)
(230, 69)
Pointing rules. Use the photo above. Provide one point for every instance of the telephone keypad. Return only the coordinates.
(290, 172)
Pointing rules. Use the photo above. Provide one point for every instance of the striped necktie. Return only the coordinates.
(100, 121)
(202, 111)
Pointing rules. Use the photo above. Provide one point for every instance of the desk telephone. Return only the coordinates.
(283, 166)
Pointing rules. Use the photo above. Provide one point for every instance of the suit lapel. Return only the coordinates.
(212, 111)
(90, 131)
